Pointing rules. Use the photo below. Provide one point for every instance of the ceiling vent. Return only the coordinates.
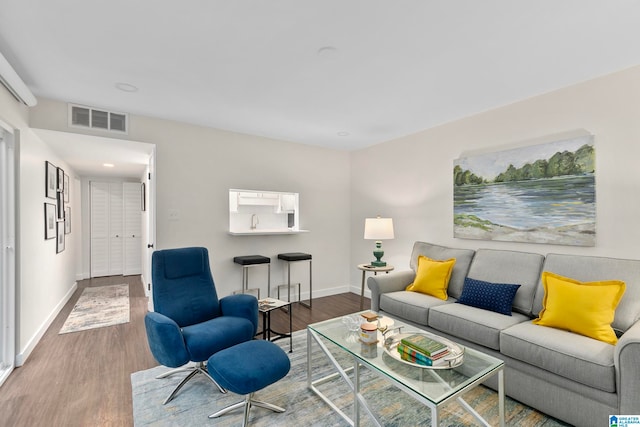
(90, 117)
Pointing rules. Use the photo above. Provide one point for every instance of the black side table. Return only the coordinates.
(266, 306)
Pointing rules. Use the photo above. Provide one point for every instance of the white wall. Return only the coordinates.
(45, 280)
(196, 167)
(413, 175)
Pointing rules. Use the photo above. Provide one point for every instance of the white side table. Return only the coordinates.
(368, 267)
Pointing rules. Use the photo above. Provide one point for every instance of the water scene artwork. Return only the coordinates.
(537, 194)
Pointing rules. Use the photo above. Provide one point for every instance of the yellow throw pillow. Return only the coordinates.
(432, 277)
(585, 308)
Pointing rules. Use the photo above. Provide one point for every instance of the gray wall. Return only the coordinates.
(414, 182)
(196, 167)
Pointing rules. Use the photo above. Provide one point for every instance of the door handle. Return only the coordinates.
(150, 245)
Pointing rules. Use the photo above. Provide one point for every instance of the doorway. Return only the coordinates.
(88, 156)
(7, 252)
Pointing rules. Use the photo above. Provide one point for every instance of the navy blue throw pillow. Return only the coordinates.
(496, 297)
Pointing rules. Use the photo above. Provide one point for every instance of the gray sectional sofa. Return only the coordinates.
(571, 377)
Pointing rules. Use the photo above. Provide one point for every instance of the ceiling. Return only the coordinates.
(87, 155)
(343, 74)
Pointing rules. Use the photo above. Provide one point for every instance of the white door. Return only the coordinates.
(107, 228)
(99, 228)
(7, 254)
(132, 192)
(116, 229)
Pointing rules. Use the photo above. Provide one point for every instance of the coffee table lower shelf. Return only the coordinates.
(360, 402)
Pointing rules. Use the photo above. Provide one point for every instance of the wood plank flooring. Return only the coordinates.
(83, 378)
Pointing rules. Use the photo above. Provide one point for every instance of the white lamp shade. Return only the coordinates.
(378, 228)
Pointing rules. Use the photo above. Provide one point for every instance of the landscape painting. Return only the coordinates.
(537, 194)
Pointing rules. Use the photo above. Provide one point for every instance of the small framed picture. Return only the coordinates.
(51, 183)
(66, 188)
(67, 220)
(60, 237)
(60, 206)
(60, 180)
(49, 221)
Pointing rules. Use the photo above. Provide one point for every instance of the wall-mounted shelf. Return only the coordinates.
(265, 232)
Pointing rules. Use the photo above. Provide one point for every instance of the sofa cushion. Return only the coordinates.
(473, 324)
(575, 357)
(496, 297)
(586, 308)
(432, 277)
(591, 269)
(412, 306)
(502, 266)
(463, 260)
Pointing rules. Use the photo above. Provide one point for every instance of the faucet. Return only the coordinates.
(254, 221)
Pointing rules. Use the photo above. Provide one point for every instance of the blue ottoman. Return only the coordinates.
(246, 368)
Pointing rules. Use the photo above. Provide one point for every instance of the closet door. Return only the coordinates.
(99, 228)
(132, 228)
(107, 228)
(116, 229)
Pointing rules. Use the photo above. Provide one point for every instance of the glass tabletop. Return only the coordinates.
(436, 385)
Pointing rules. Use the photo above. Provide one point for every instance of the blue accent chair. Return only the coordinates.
(189, 323)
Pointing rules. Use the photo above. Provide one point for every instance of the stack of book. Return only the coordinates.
(422, 350)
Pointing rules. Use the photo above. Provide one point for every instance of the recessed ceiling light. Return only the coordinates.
(108, 165)
(126, 87)
(343, 133)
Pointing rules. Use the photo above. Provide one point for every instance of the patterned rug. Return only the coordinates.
(199, 398)
(98, 307)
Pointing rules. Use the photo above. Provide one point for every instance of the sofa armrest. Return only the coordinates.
(241, 305)
(392, 282)
(626, 357)
(165, 340)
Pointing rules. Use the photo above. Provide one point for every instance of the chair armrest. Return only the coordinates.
(241, 305)
(392, 282)
(165, 340)
(626, 357)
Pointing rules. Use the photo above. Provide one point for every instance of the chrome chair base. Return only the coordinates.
(198, 368)
(247, 404)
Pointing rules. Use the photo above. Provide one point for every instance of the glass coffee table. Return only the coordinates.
(431, 386)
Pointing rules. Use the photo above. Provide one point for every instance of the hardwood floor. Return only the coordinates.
(83, 378)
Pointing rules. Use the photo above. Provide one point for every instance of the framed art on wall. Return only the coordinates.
(60, 179)
(542, 193)
(60, 237)
(67, 220)
(51, 183)
(49, 221)
(60, 206)
(66, 188)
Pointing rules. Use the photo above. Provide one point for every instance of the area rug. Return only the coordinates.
(98, 307)
(199, 398)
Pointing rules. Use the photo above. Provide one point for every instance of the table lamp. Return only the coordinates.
(378, 229)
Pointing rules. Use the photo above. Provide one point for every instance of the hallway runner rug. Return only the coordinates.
(98, 307)
(199, 398)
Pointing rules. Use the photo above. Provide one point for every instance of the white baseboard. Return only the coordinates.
(356, 290)
(24, 354)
